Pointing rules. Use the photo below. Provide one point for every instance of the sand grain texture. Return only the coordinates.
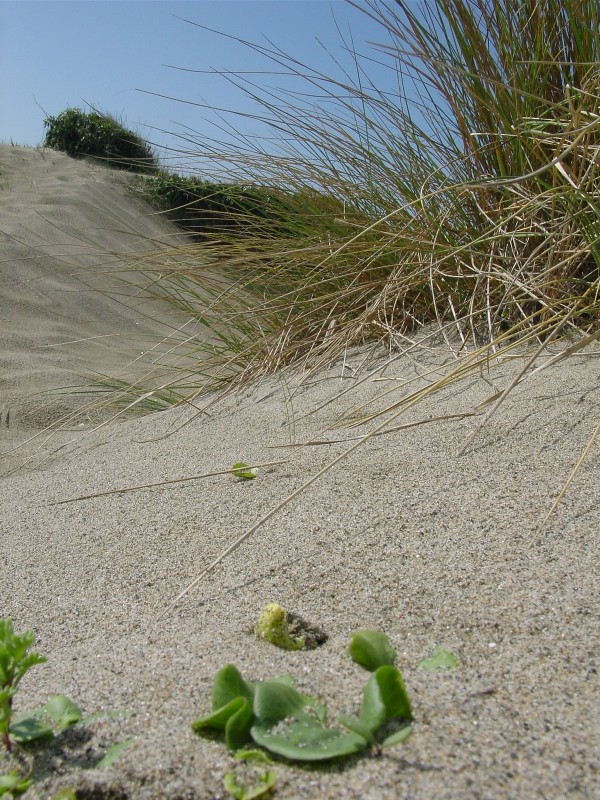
(402, 536)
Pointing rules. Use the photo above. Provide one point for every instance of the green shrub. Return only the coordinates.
(99, 135)
(203, 207)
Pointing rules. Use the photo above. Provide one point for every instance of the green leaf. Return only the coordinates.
(384, 702)
(114, 752)
(28, 728)
(371, 649)
(285, 726)
(218, 719)
(372, 712)
(237, 729)
(274, 700)
(12, 783)
(440, 659)
(242, 470)
(62, 712)
(25, 663)
(228, 685)
(65, 794)
(302, 738)
(258, 756)
(399, 737)
(392, 692)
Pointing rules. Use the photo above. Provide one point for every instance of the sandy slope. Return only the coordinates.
(403, 536)
(69, 305)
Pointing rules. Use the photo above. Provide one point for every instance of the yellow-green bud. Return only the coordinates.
(272, 626)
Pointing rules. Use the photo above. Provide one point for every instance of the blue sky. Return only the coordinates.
(59, 54)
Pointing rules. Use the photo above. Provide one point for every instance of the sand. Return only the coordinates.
(403, 536)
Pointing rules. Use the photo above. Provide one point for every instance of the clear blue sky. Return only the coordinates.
(59, 54)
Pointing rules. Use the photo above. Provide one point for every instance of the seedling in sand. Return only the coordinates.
(55, 716)
(257, 778)
(243, 470)
(275, 715)
(15, 662)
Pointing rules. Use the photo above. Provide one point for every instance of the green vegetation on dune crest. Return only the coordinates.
(78, 133)
(206, 209)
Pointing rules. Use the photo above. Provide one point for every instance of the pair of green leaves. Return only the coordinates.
(58, 714)
(284, 721)
(52, 718)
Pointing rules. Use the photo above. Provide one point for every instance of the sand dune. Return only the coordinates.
(69, 303)
(402, 536)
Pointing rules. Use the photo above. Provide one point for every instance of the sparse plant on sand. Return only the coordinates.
(242, 470)
(253, 776)
(15, 662)
(43, 723)
(276, 716)
(272, 626)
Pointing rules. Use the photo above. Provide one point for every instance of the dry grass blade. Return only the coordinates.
(136, 488)
(394, 429)
(286, 501)
(568, 482)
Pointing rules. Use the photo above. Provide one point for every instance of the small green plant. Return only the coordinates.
(440, 659)
(15, 662)
(58, 714)
(78, 133)
(13, 784)
(244, 471)
(45, 722)
(254, 778)
(276, 716)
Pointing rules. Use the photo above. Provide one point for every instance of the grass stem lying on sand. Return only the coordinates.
(125, 489)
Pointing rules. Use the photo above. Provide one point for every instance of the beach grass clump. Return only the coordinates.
(78, 134)
(467, 195)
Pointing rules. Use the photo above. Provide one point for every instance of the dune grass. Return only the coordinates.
(472, 200)
(467, 198)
